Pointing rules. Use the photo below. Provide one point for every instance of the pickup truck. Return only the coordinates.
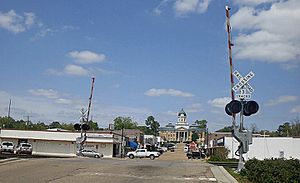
(143, 153)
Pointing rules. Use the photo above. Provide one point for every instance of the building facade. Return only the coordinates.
(63, 144)
(181, 131)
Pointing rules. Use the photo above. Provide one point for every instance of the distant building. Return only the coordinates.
(181, 131)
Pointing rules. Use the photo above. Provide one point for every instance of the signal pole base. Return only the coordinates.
(241, 164)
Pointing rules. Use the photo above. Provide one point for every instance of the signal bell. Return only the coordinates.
(250, 107)
(233, 107)
(84, 127)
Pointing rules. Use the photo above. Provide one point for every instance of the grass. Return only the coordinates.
(237, 176)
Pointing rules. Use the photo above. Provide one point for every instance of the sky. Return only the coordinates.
(148, 57)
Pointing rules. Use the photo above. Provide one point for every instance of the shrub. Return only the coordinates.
(220, 154)
(272, 170)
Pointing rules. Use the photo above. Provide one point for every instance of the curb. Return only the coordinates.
(8, 160)
(222, 175)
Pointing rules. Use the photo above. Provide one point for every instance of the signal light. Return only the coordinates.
(233, 107)
(250, 107)
(77, 126)
(84, 127)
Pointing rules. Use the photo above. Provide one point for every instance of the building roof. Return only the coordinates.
(182, 113)
(56, 136)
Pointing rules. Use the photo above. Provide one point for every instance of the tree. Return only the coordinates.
(124, 123)
(55, 124)
(195, 137)
(284, 129)
(201, 123)
(93, 125)
(152, 125)
(225, 129)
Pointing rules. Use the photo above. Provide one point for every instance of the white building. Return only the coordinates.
(266, 147)
(57, 143)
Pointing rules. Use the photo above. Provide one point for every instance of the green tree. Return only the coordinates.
(93, 125)
(152, 125)
(201, 123)
(225, 129)
(125, 123)
(55, 124)
(195, 137)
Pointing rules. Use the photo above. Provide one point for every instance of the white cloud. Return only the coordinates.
(197, 107)
(219, 102)
(184, 7)
(281, 99)
(63, 101)
(16, 23)
(296, 109)
(170, 92)
(86, 57)
(170, 113)
(253, 2)
(268, 35)
(75, 70)
(48, 93)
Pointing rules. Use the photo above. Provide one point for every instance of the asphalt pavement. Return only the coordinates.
(169, 168)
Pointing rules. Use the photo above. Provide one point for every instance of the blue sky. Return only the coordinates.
(148, 58)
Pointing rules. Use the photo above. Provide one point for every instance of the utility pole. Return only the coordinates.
(28, 119)
(9, 105)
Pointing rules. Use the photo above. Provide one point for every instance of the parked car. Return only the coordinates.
(143, 153)
(89, 153)
(24, 148)
(7, 146)
(170, 146)
(195, 155)
(186, 149)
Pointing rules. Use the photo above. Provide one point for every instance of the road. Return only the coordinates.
(170, 167)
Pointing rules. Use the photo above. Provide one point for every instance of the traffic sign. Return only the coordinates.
(243, 81)
(243, 96)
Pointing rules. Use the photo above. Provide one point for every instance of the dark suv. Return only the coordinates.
(195, 155)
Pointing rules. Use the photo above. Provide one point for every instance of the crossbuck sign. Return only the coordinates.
(243, 83)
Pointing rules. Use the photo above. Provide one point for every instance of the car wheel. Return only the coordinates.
(131, 156)
(97, 156)
(152, 157)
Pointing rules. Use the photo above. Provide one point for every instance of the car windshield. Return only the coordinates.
(26, 145)
(7, 144)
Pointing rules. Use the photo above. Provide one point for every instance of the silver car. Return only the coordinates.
(24, 148)
(89, 153)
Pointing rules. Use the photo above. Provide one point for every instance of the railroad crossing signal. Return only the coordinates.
(242, 84)
(243, 81)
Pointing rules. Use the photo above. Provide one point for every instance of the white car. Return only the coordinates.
(89, 153)
(7, 146)
(186, 149)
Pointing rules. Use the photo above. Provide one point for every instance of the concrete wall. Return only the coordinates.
(269, 147)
